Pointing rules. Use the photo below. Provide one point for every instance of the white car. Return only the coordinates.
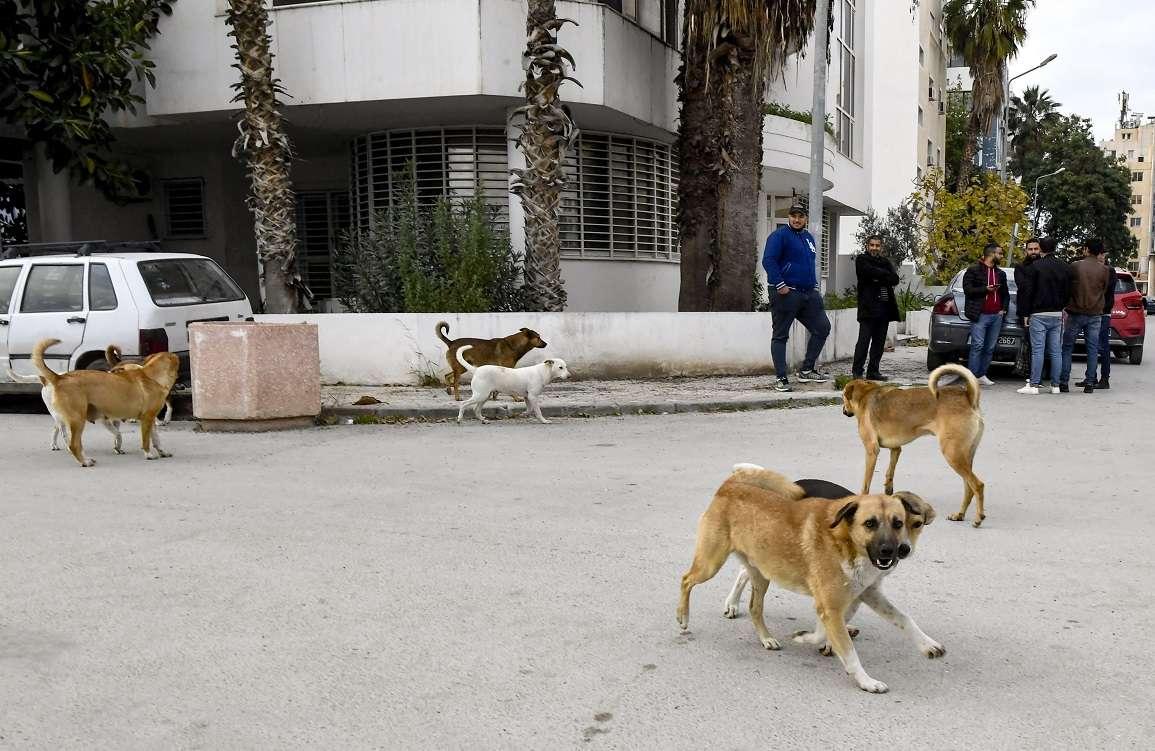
(97, 295)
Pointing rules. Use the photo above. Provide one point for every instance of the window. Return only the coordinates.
(101, 295)
(670, 16)
(449, 163)
(921, 56)
(920, 117)
(187, 281)
(54, 289)
(619, 200)
(930, 89)
(1136, 221)
(8, 277)
(1126, 136)
(321, 217)
(929, 154)
(845, 109)
(1140, 158)
(1124, 284)
(184, 208)
(1136, 177)
(1136, 200)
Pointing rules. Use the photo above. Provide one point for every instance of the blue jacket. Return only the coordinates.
(789, 258)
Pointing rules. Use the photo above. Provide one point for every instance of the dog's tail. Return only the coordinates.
(112, 355)
(760, 477)
(469, 368)
(17, 378)
(48, 375)
(972, 385)
(442, 329)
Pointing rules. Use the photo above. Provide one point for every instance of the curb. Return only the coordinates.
(385, 413)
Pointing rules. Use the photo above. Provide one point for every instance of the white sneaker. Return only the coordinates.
(984, 381)
(1029, 389)
(1055, 390)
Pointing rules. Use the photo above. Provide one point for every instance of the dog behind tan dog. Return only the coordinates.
(113, 357)
(505, 351)
(135, 393)
(833, 550)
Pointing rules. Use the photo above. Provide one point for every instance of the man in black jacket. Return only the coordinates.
(877, 307)
(987, 302)
(1044, 289)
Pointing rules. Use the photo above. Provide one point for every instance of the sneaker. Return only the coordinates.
(812, 376)
(1103, 385)
(1054, 389)
(1029, 389)
(984, 381)
(1083, 383)
(1064, 388)
(1089, 388)
(782, 385)
(876, 377)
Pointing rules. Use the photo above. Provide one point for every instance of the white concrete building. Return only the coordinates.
(376, 83)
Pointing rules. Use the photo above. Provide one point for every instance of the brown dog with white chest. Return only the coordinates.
(505, 351)
(82, 396)
(836, 551)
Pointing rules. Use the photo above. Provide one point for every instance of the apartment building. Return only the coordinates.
(1134, 144)
(374, 84)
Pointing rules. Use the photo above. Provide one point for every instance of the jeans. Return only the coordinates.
(1046, 336)
(806, 307)
(872, 338)
(1104, 349)
(1088, 326)
(984, 339)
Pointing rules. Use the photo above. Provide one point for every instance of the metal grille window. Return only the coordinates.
(845, 107)
(620, 199)
(321, 217)
(184, 208)
(449, 162)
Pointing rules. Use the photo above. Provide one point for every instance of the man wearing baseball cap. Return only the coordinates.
(789, 260)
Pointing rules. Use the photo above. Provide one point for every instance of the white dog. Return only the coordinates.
(527, 382)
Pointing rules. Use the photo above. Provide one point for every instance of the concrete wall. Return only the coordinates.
(395, 348)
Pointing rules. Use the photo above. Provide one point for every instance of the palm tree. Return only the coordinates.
(986, 33)
(267, 154)
(548, 133)
(730, 48)
(1028, 118)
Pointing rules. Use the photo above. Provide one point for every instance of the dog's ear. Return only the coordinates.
(846, 512)
(916, 506)
(548, 362)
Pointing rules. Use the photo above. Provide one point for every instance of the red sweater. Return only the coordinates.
(992, 304)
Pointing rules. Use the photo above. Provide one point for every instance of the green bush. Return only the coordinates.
(909, 300)
(451, 257)
(847, 299)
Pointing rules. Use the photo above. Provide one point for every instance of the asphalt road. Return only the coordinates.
(514, 585)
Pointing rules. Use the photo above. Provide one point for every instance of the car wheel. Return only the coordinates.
(1136, 355)
(936, 360)
(98, 364)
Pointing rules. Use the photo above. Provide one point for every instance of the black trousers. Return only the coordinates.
(872, 338)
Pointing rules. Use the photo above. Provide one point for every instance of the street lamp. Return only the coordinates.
(1035, 198)
(1046, 61)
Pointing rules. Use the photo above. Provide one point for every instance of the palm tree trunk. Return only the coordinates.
(267, 153)
(548, 133)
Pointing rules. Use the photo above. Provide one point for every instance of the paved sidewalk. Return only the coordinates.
(576, 398)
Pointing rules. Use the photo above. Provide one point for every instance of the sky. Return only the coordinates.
(1104, 47)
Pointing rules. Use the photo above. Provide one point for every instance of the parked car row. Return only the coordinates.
(950, 332)
(97, 295)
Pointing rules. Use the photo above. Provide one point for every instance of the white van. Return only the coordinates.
(102, 294)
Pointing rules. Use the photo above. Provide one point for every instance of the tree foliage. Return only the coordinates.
(900, 230)
(1028, 119)
(957, 114)
(65, 65)
(958, 225)
(1091, 198)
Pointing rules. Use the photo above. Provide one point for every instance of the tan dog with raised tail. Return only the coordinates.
(81, 396)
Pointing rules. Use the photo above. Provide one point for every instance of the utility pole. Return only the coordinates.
(818, 131)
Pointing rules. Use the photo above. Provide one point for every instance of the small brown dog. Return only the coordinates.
(891, 417)
(137, 393)
(113, 358)
(836, 551)
(505, 352)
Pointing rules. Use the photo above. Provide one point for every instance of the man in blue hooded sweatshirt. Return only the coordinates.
(789, 261)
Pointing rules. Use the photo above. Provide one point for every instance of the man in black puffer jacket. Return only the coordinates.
(1043, 293)
(877, 307)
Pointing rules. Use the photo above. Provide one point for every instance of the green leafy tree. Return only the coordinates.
(1028, 119)
(1091, 198)
(958, 225)
(986, 33)
(900, 230)
(65, 65)
(957, 115)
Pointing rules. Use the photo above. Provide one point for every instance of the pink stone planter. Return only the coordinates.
(255, 376)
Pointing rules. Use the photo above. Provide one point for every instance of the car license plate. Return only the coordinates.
(1008, 341)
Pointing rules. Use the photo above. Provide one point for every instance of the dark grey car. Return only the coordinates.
(950, 332)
